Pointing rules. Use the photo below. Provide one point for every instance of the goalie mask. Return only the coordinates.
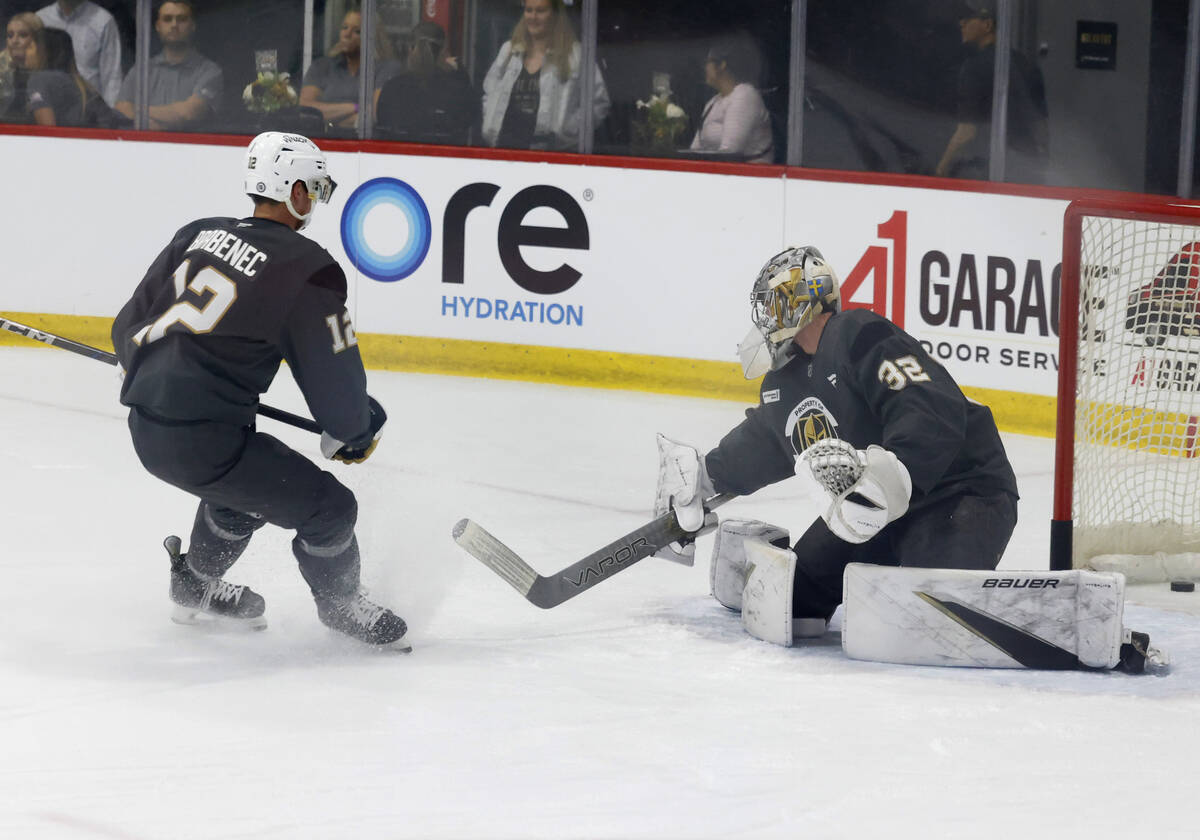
(793, 288)
(275, 160)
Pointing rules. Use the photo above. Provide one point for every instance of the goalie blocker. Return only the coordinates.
(1053, 620)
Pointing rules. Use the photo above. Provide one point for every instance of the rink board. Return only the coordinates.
(585, 274)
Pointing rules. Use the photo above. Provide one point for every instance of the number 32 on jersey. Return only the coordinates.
(897, 373)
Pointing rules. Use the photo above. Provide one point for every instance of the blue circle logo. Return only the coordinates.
(386, 229)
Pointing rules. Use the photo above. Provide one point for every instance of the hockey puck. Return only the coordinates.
(1183, 586)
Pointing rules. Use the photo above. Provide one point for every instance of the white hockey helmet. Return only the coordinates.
(795, 286)
(275, 160)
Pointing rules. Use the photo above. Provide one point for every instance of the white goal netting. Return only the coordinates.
(1136, 490)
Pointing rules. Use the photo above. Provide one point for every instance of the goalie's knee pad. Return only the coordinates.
(729, 567)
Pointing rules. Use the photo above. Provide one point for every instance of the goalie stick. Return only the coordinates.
(110, 358)
(550, 591)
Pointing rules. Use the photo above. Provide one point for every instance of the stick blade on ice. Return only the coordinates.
(495, 555)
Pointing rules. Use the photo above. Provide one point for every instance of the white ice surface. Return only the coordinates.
(638, 710)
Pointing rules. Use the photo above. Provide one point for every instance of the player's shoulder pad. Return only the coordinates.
(866, 331)
(330, 276)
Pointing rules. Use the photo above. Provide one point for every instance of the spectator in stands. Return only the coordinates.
(20, 33)
(735, 121)
(185, 87)
(967, 154)
(431, 100)
(57, 93)
(531, 94)
(96, 41)
(331, 83)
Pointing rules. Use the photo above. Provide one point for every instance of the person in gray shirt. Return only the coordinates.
(56, 93)
(331, 83)
(185, 87)
(53, 98)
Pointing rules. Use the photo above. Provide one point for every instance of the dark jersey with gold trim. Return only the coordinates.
(223, 304)
(868, 383)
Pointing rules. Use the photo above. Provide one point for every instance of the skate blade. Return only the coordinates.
(401, 645)
(196, 618)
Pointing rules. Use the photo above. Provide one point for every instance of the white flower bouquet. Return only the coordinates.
(659, 126)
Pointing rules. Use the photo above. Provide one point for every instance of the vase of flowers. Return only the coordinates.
(269, 92)
(659, 126)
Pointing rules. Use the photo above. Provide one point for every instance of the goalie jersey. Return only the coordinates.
(223, 304)
(868, 383)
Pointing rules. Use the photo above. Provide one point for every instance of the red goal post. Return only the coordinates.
(1127, 475)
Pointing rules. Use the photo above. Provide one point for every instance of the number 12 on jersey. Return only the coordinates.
(342, 330)
(198, 319)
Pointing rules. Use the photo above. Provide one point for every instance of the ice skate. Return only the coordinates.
(203, 600)
(360, 618)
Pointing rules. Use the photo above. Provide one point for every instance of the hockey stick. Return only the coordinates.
(550, 591)
(110, 358)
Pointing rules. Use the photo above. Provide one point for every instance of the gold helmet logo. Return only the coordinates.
(809, 430)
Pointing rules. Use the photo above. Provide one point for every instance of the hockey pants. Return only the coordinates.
(959, 532)
(245, 479)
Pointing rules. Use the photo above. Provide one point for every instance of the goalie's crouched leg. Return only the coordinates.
(961, 532)
(752, 572)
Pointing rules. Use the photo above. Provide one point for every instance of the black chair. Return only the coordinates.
(298, 119)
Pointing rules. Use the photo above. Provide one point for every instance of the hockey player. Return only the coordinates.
(915, 473)
(200, 340)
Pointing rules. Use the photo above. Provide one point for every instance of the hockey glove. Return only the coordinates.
(360, 449)
(867, 488)
(683, 485)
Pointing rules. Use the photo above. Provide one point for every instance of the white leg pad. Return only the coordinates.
(728, 570)
(767, 598)
(984, 619)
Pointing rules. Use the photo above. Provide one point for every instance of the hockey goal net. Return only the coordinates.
(1127, 468)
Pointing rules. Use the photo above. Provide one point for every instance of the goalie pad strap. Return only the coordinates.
(987, 619)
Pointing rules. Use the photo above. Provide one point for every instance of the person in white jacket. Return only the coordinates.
(532, 94)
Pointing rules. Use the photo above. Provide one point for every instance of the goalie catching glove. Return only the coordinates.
(683, 485)
(867, 488)
(360, 449)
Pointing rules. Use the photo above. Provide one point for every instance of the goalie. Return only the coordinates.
(914, 474)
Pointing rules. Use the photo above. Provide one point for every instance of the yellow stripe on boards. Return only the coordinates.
(1014, 412)
(85, 329)
(561, 366)
(1026, 414)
